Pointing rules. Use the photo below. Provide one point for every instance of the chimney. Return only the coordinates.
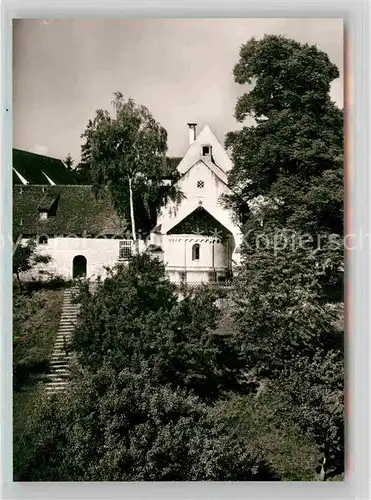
(192, 132)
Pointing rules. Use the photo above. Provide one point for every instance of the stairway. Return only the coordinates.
(58, 377)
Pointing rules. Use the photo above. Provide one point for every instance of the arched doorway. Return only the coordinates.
(79, 266)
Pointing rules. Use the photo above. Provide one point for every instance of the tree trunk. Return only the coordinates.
(19, 280)
(322, 474)
(132, 216)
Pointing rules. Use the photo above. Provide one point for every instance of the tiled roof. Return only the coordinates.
(39, 169)
(36, 169)
(74, 210)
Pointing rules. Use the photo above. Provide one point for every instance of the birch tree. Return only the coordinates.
(127, 153)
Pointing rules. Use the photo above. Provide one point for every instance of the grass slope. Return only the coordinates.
(36, 318)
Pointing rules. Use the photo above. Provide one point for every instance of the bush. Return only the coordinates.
(135, 318)
(120, 427)
(53, 282)
(257, 421)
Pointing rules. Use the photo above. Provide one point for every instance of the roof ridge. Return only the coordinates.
(55, 185)
(37, 154)
(211, 166)
(207, 162)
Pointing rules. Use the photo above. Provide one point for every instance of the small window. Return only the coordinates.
(43, 215)
(205, 150)
(125, 249)
(200, 184)
(183, 276)
(196, 252)
(43, 239)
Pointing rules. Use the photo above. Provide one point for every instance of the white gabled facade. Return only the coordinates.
(203, 181)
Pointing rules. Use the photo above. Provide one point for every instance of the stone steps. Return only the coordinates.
(57, 379)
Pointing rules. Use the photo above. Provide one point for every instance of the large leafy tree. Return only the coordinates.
(125, 151)
(288, 166)
(83, 169)
(287, 185)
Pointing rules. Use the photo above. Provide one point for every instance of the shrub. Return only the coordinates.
(120, 427)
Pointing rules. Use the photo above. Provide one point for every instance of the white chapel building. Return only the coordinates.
(196, 240)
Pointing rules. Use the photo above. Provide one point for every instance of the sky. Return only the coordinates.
(181, 69)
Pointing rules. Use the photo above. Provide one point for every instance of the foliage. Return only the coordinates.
(286, 334)
(82, 174)
(53, 281)
(287, 75)
(126, 152)
(278, 310)
(135, 317)
(25, 257)
(83, 169)
(68, 161)
(24, 400)
(312, 392)
(119, 427)
(256, 420)
(19, 311)
(35, 325)
(154, 397)
(287, 192)
(288, 167)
